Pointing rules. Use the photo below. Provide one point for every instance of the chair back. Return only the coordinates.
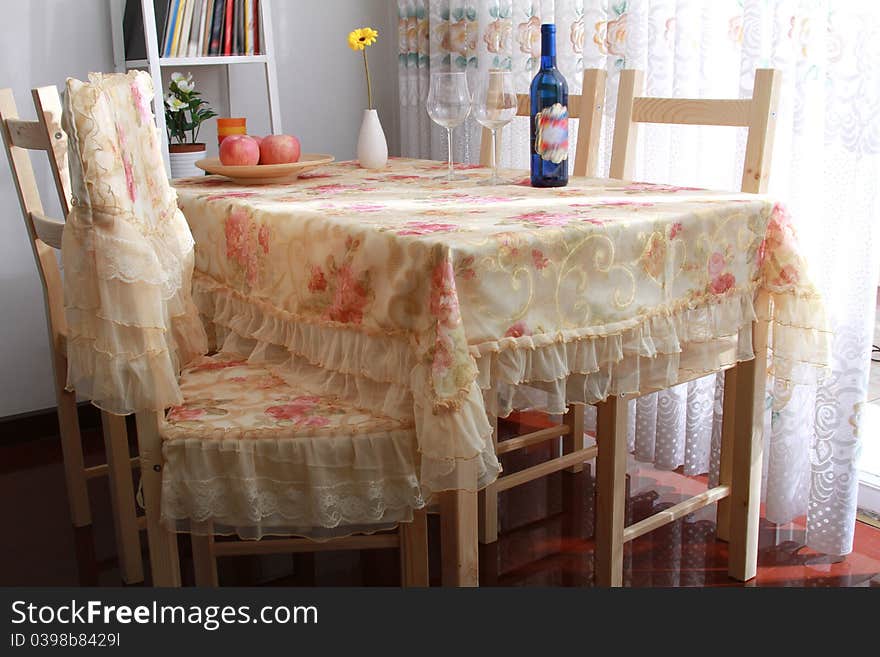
(127, 252)
(586, 107)
(757, 113)
(43, 134)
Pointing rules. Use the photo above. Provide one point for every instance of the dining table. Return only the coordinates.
(452, 303)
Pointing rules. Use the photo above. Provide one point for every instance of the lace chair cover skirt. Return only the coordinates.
(127, 252)
(253, 451)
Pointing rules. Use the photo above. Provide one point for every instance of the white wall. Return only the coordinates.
(322, 91)
(36, 50)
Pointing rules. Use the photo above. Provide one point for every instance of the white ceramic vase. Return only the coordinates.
(372, 149)
(183, 158)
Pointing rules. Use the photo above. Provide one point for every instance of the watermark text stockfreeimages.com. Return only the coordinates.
(210, 617)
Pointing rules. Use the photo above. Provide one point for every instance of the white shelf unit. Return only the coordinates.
(154, 63)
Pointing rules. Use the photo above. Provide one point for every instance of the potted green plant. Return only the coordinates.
(185, 111)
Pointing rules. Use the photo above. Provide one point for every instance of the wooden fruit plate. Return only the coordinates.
(263, 174)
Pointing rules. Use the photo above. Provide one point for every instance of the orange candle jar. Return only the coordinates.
(226, 127)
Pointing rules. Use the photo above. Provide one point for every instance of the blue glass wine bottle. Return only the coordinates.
(549, 117)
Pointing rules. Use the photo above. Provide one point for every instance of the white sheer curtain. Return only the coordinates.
(826, 168)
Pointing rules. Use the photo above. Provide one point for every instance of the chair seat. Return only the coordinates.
(225, 397)
(252, 454)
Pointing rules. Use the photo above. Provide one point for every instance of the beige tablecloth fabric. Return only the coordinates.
(432, 300)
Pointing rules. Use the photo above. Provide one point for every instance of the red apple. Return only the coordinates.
(259, 140)
(279, 149)
(239, 150)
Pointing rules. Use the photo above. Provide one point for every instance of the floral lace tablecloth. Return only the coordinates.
(438, 301)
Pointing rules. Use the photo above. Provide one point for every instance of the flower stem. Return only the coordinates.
(369, 85)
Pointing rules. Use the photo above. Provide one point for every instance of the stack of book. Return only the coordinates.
(199, 28)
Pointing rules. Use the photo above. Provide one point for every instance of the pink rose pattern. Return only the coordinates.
(184, 413)
(778, 256)
(250, 396)
(517, 330)
(247, 243)
(340, 292)
(539, 260)
(122, 140)
(716, 264)
(317, 281)
(451, 364)
(141, 104)
(300, 411)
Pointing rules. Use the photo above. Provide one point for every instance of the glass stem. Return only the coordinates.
(494, 154)
(449, 147)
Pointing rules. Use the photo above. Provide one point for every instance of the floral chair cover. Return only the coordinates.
(254, 451)
(246, 449)
(127, 252)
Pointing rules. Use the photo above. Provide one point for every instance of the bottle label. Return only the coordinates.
(551, 133)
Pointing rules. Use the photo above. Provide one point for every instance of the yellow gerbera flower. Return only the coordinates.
(362, 37)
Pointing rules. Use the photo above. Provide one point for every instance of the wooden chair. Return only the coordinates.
(236, 453)
(350, 432)
(45, 134)
(586, 107)
(739, 490)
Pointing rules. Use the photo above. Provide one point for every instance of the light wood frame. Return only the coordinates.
(757, 113)
(738, 492)
(45, 134)
(410, 537)
(572, 459)
(587, 107)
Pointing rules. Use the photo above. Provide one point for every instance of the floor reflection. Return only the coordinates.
(546, 537)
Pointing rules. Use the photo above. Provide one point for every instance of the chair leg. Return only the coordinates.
(71, 449)
(164, 559)
(610, 491)
(128, 540)
(414, 550)
(458, 534)
(725, 469)
(748, 445)
(487, 502)
(204, 560)
(574, 441)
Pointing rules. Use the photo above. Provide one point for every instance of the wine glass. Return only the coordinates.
(449, 103)
(494, 108)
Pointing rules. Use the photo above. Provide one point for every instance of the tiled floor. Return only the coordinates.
(546, 538)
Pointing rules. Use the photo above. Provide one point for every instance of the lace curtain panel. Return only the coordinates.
(826, 165)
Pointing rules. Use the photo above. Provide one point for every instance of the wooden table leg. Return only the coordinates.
(610, 490)
(458, 535)
(748, 445)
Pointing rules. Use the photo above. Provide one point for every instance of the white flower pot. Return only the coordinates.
(372, 149)
(183, 159)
